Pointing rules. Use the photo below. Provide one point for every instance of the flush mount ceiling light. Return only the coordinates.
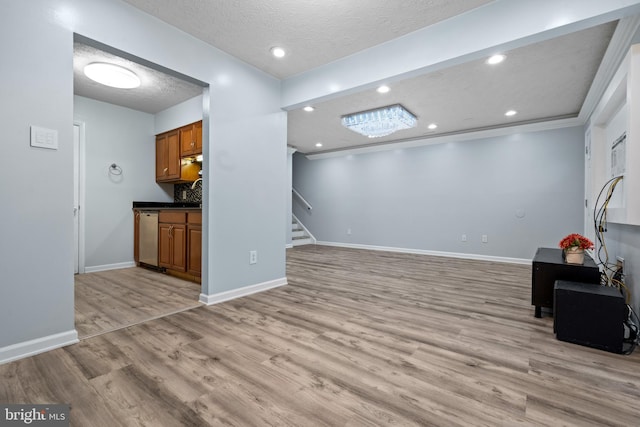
(511, 113)
(112, 75)
(308, 108)
(433, 126)
(380, 121)
(383, 89)
(318, 144)
(278, 52)
(496, 59)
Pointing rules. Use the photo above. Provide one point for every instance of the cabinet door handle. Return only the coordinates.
(165, 171)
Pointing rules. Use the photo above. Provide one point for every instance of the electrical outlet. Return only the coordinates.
(184, 194)
(620, 263)
(253, 257)
(485, 238)
(348, 231)
(463, 238)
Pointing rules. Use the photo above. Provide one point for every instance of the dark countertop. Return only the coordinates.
(166, 205)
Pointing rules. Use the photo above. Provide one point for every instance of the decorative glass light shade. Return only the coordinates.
(381, 121)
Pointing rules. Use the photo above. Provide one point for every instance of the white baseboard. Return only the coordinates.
(241, 292)
(36, 346)
(106, 267)
(428, 252)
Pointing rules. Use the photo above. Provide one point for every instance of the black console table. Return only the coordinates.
(549, 266)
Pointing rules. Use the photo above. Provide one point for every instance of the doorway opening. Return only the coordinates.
(115, 130)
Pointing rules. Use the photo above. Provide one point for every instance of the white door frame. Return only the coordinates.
(79, 162)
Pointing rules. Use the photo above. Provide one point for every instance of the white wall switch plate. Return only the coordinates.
(485, 238)
(463, 238)
(253, 257)
(44, 138)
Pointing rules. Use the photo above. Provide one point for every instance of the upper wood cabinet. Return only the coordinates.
(191, 139)
(168, 156)
(170, 167)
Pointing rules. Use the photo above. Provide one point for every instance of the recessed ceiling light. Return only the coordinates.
(383, 89)
(319, 144)
(432, 126)
(496, 59)
(278, 52)
(511, 113)
(308, 108)
(112, 75)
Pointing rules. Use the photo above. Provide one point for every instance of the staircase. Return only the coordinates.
(299, 235)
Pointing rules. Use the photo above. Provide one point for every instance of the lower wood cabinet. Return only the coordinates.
(194, 245)
(172, 246)
(180, 241)
(136, 236)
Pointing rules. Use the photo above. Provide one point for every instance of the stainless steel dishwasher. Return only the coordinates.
(149, 237)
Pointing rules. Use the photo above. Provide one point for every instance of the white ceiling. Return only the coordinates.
(312, 32)
(543, 81)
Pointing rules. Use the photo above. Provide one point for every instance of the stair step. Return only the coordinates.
(300, 242)
(298, 233)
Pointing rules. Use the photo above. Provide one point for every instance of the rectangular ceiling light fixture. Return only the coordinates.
(380, 121)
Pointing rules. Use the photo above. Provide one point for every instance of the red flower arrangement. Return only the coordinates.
(576, 241)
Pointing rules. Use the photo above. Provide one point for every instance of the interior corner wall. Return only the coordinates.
(119, 135)
(186, 112)
(523, 191)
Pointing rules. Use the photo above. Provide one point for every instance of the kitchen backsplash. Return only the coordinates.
(194, 195)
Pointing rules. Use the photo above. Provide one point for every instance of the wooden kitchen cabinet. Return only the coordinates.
(170, 168)
(136, 236)
(172, 241)
(194, 243)
(191, 139)
(168, 157)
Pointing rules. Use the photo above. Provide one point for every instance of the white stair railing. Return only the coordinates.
(302, 199)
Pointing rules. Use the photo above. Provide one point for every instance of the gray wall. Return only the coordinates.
(425, 198)
(624, 240)
(123, 136)
(245, 148)
(179, 115)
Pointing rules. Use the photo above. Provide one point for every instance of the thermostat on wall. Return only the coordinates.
(44, 138)
(619, 155)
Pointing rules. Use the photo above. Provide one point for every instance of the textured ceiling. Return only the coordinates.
(158, 91)
(312, 32)
(543, 81)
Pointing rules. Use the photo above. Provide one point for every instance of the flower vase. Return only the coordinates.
(574, 255)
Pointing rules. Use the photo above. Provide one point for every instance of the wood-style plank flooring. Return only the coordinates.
(357, 338)
(110, 300)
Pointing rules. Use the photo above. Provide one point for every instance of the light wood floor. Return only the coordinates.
(356, 338)
(110, 300)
